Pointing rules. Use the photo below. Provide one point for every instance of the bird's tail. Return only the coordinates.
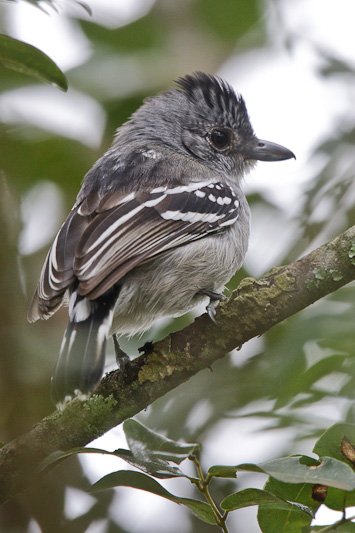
(81, 359)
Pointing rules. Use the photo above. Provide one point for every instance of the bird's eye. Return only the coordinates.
(220, 138)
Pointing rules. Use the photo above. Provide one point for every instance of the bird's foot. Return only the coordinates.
(121, 357)
(215, 297)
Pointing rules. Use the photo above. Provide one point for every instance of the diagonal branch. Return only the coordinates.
(254, 308)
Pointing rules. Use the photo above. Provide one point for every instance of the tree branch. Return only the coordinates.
(253, 308)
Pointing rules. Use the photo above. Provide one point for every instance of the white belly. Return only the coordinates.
(167, 286)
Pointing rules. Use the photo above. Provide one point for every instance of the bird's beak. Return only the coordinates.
(267, 151)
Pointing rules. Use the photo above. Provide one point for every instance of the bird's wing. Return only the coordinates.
(103, 239)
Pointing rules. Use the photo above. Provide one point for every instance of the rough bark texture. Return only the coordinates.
(253, 308)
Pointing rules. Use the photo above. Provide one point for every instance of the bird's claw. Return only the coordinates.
(121, 357)
(215, 297)
(211, 310)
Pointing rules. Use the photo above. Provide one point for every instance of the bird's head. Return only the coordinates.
(205, 119)
(217, 127)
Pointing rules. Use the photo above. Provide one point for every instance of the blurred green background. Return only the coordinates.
(276, 395)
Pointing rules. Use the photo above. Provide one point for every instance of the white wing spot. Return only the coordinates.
(212, 198)
(200, 194)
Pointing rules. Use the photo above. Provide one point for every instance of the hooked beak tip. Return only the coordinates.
(268, 151)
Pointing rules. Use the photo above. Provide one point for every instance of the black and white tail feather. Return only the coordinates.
(81, 359)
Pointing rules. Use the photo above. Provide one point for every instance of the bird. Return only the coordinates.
(159, 226)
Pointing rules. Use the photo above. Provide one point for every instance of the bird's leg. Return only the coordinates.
(121, 357)
(215, 297)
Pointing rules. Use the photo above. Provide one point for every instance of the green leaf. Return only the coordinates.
(136, 480)
(303, 469)
(330, 443)
(151, 465)
(335, 498)
(338, 442)
(248, 497)
(249, 467)
(59, 455)
(145, 443)
(330, 472)
(277, 520)
(150, 452)
(155, 467)
(223, 471)
(338, 500)
(28, 60)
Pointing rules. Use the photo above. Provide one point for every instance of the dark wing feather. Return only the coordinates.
(144, 225)
(104, 239)
(57, 272)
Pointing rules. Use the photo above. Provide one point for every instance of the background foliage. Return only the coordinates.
(277, 395)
